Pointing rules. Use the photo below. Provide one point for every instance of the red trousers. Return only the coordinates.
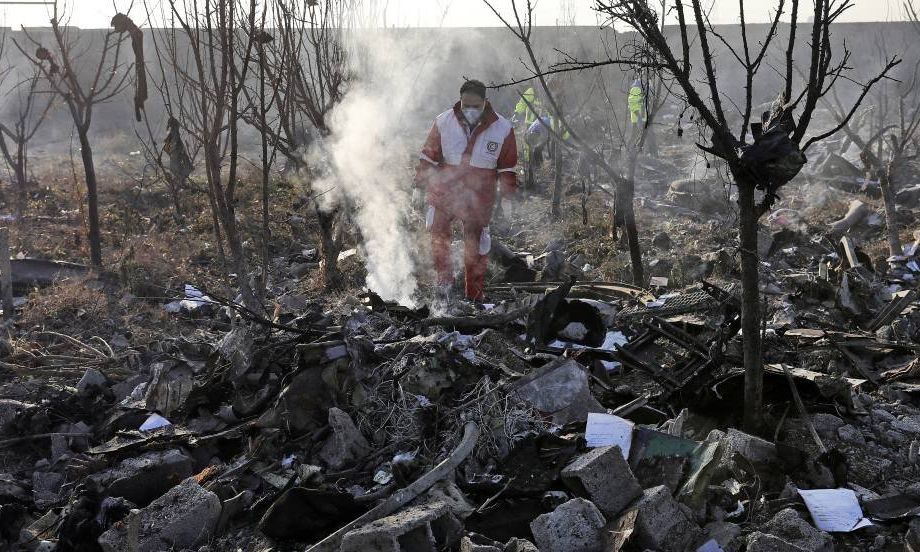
(474, 264)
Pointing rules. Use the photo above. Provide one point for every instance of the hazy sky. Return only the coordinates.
(451, 13)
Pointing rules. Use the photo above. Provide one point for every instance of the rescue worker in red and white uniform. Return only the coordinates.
(469, 150)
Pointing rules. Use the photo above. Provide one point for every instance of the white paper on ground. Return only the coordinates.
(604, 430)
(574, 331)
(611, 340)
(610, 365)
(710, 546)
(154, 421)
(658, 281)
(834, 510)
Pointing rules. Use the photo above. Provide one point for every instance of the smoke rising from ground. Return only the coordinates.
(372, 129)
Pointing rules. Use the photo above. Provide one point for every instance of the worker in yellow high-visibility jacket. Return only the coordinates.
(636, 102)
(527, 115)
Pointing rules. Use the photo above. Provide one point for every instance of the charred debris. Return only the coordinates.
(567, 415)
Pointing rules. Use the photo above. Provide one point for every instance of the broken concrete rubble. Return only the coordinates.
(348, 409)
(418, 529)
(603, 476)
(561, 390)
(576, 525)
(788, 531)
(346, 443)
(661, 523)
(145, 478)
(184, 517)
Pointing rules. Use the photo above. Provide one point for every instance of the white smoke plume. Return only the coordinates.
(374, 129)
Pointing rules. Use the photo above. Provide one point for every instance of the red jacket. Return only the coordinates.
(460, 168)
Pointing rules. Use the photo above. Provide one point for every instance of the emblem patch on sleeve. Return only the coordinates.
(492, 147)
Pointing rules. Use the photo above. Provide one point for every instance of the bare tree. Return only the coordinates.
(521, 25)
(891, 141)
(26, 118)
(306, 63)
(84, 75)
(779, 141)
(211, 55)
(162, 143)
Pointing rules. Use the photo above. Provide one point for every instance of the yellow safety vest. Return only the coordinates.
(636, 102)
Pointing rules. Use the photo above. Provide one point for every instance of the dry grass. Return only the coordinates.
(75, 306)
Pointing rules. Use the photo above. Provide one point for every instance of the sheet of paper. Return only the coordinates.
(834, 510)
(611, 366)
(606, 430)
(710, 546)
(154, 421)
(612, 340)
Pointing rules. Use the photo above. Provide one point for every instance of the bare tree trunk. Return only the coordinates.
(92, 199)
(891, 213)
(626, 204)
(330, 247)
(20, 173)
(557, 180)
(750, 307)
(266, 230)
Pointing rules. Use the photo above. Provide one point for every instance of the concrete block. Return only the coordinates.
(603, 475)
(477, 543)
(576, 526)
(346, 444)
(145, 478)
(762, 542)
(561, 389)
(92, 379)
(418, 529)
(662, 524)
(755, 449)
(11, 409)
(520, 545)
(184, 517)
(45, 488)
(790, 527)
(725, 533)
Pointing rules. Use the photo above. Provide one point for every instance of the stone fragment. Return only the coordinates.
(10, 409)
(91, 379)
(416, 529)
(346, 443)
(603, 476)
(908, 424)
(827, 424)
(762, 542)
(520, 545)
(661, 523)
(576, 526)
(851, 435)
(45, 487)
(185, 517)
(145, 478)
(724, 533)
(755, 449)
(478, 543)
(561, 389)
(790, 530)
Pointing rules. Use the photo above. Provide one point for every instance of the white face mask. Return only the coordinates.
(472, 114)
